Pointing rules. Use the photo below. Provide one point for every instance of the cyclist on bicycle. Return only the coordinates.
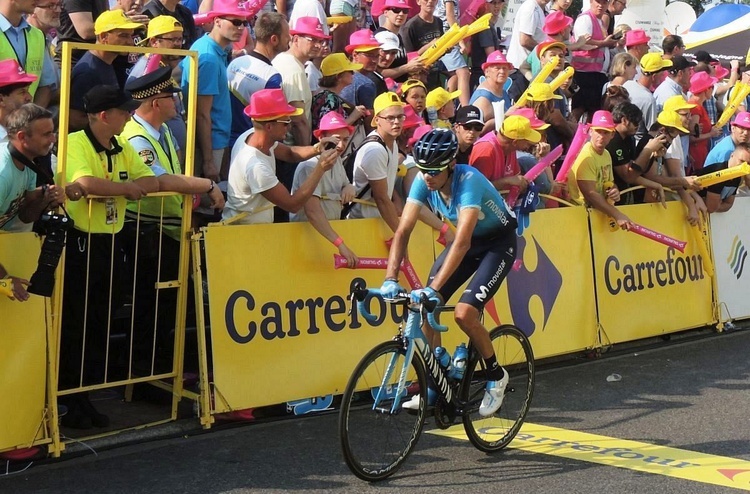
(484, 245)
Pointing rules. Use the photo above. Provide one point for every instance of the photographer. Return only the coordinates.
(31, 134)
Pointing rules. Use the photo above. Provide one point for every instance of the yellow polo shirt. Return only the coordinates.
(87, 158)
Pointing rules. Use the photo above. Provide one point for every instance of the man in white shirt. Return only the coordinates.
(253, 187)
(640, 89)
(527, 30)
(376, 163)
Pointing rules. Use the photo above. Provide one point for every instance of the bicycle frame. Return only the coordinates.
(413, 338)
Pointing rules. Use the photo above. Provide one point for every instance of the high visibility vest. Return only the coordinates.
(151, 207)
(35, 47)
(590, 60)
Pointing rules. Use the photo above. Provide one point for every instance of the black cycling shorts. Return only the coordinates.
(490, 258)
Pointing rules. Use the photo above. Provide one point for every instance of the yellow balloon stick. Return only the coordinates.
(700, 240)
(441, 41)
(561, 78)
(739, 93)
(723, 175)
(450, 43)
(540, 77)
(479, 25)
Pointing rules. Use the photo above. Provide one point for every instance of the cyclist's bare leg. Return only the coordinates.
(468, 319)
(433, 337)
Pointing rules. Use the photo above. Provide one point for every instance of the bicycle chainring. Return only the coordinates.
(445, 414)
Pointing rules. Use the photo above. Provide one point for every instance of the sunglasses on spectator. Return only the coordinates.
(435, 171)
(284, 122)
(236, 22)
(50, 6)
(399, 11)
(475, 127)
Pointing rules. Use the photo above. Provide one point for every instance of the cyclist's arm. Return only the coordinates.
(467, 220)
(401, 239)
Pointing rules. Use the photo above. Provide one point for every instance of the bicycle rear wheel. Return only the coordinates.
(375, 438)
(514, 353)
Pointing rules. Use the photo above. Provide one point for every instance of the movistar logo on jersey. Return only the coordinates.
(499, 211)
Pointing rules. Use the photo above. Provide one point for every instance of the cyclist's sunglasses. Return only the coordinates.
(434, 172)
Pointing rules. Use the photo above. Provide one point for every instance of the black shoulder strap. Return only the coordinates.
(360, 195)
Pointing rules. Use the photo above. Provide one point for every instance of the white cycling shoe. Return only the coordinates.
(493, 395)
(413, 403)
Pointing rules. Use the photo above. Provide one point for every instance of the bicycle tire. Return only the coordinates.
(376, 442)
(513, 351)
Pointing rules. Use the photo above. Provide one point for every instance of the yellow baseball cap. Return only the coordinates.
(439, 97)
(160, 25)
(541, 91)
(385, 100)
(110, 20)
(412, 83)
(518, 127)
(670, 118)
(676, 103)
(336, 63)
(653, 63)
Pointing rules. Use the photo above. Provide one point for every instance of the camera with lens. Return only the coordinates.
(54, 227)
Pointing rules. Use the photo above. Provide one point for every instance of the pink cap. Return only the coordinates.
(332, 121)
(636, 37)
(396, 4)
(392, 85)
(270, 104)
(362, 40)
(528, 113)
(232, 8)
(701, 81)
(419, 133)
(12, 73)
(496, 58)
(603, 120)
(742, 120)
(309, 26)
(412, 119)
(721, 71)
(556, 22)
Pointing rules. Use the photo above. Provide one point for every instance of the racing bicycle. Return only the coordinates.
(377, 434)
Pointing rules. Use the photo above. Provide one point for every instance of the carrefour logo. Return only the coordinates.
(737, 256)
(544, 282)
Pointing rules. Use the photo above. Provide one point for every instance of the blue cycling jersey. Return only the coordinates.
(469, 189)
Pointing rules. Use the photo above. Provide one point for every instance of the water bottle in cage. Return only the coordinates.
(460, 356)
(444, 358)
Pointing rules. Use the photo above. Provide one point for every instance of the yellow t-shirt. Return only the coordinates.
(591, 166)
(83, 160)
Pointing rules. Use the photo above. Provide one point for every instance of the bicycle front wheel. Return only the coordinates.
(514, 353)
(376, 433)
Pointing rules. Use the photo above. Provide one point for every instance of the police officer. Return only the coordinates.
(157, 220)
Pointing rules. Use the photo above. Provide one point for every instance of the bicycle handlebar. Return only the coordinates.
(427, 306)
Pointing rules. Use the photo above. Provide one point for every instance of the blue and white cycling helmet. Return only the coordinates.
(435, 150)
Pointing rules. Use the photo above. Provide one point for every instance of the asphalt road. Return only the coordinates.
(691, 395)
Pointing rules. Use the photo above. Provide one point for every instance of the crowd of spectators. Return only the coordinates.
(307, 111)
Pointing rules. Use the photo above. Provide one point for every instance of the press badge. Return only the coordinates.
(110, 207)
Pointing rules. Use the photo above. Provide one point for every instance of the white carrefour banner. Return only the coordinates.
(730, 237)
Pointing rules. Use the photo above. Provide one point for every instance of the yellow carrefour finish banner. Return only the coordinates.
(278, 308)
(23, 350)
(551, 296)
(645, 288)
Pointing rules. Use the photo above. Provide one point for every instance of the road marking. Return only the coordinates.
(621, 453)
